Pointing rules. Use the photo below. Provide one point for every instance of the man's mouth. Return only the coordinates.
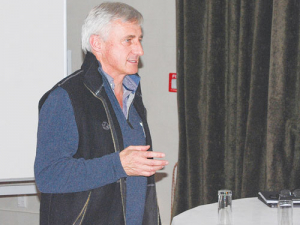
(132, 60)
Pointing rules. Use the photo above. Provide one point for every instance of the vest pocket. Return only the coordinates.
(100, 206)
(64, 208)
(81, 215)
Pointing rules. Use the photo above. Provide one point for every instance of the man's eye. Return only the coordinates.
(127, 42)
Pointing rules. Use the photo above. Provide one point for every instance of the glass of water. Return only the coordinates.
(285, 212)
(225, 207)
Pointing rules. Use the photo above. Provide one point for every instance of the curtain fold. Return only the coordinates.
(238, 78)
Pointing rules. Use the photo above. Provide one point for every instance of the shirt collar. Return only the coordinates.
(130, 82)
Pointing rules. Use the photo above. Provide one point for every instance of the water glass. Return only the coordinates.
(296, 194)
(225, 207)
(285, 212)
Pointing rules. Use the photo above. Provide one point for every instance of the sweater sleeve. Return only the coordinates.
(56, 171)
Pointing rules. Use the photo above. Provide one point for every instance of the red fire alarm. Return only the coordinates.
(172, 82)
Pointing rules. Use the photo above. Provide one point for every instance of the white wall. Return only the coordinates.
(12, 214)
(32, 58)
(158, 61)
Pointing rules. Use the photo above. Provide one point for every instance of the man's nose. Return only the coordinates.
(138, 48)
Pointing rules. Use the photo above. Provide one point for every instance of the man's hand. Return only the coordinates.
(136, 161)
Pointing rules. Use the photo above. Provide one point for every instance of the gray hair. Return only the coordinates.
(100, 17)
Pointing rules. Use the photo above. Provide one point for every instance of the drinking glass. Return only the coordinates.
(285, 194)
(285, 212)
(296, 194)
(225, 207)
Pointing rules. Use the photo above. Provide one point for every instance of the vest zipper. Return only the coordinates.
(114, 142)
(115, 146)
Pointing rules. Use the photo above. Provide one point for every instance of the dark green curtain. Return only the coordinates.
(238, 80)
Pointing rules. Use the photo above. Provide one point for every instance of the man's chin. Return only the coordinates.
(133, 71)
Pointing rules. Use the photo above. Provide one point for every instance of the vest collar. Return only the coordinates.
(93, 79)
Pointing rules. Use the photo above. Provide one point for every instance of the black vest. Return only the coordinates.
(99, 134)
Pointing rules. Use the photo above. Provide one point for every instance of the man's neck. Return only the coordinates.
(119, 94)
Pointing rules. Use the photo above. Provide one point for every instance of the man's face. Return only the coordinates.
(121, 51)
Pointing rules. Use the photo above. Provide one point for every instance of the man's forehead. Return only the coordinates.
(122, 30)
(128, 24)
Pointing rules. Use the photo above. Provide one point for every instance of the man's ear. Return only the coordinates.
(96, 43)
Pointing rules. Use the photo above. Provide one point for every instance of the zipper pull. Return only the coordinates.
(141, 123)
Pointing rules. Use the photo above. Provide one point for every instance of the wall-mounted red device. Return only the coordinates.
(172, 82)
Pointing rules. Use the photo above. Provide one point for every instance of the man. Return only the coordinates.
(94, 162)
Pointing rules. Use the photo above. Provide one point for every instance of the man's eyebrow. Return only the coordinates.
(133, 36)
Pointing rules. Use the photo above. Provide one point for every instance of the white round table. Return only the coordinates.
(246, 211)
